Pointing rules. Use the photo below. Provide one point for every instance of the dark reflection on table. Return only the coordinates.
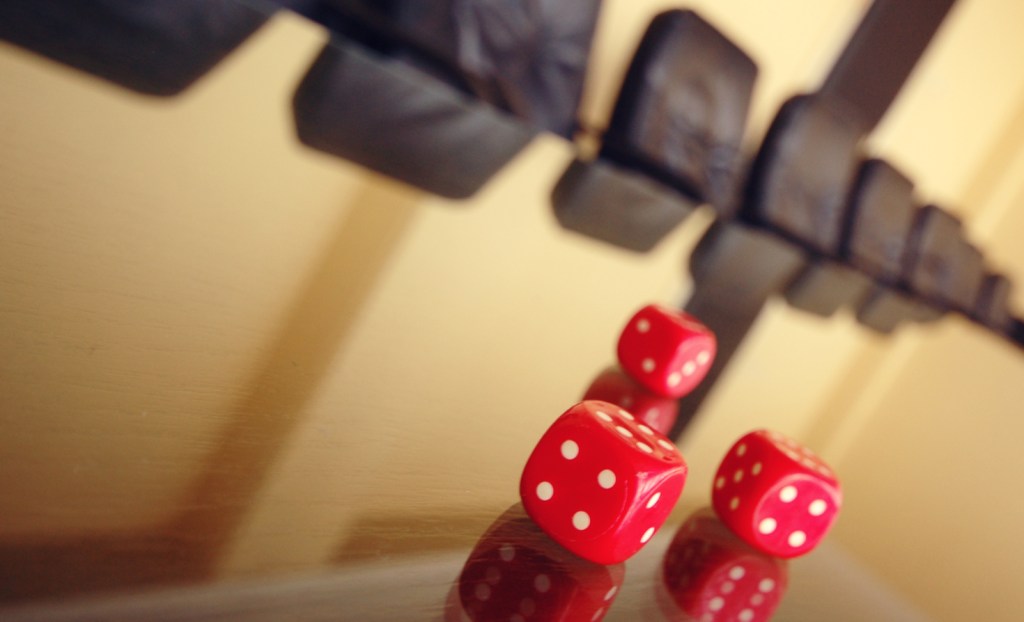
(517, 573)
(616, 387)
(710, 575)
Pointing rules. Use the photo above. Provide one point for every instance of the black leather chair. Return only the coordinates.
(992, 309)
(881, 215)
(942, 266)
(678, 122)
(441, 95)
(804, 172)
(881, 218)
(799, 187)
(391, 118)
(682, 110)
(153, 47)
(529, 58)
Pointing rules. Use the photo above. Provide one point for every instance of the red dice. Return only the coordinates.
(713, 576)
(776, 495)
(653, 410)
(517, 573)
(667, 351)
(600, 483)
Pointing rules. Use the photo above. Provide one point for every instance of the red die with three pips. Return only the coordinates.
(667, 351)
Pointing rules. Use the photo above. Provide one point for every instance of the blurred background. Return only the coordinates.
(277, 360)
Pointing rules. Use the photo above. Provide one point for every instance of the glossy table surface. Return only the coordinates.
(244, 381)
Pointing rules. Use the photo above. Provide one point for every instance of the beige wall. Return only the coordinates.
(929, 447)
(926, 433)
(142, 269)
(164, 263)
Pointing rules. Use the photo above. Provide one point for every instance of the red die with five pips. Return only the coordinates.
(600, 483)
(778, 496)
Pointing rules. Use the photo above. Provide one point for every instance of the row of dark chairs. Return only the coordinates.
(673, 142)
(442, 94)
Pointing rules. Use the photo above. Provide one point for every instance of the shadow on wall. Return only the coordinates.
(187, 547)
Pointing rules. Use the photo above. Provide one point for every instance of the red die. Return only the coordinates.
(711, 575)
(667, 351)
(616, 387)
(778, 496)
(600, 483)
(517, 573)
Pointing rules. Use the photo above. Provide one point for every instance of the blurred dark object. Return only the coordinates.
(735, 270)
(418, 90)
(823, 287)
(885, 308)
(673, 141)
(993, 306)
(682, 109)
(881, 215)
(804, 172)
(155, 47)
(872, 241)
(627, 209)
(799, 186)
(526, 58)
(881, 53)
(372, 26)
(941, 265)
(391, 118)
(1016, 331)
(742, 267)
(878, 242)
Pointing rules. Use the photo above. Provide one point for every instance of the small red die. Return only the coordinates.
(517, 573)
(600, 483)
(775, 494)
(618, 388)
(713, 576)
(667, 351)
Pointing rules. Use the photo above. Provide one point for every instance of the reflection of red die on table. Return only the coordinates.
(516, 573)
(616, 387)
(777, 495)
(601, 483)
(711, 575)
(667, 351)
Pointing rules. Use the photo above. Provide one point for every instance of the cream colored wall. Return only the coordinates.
(929, 449)
(147, 250)
(947, 124)
(926, 433)
(798, 348)
(180, 248)
(173, 237)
